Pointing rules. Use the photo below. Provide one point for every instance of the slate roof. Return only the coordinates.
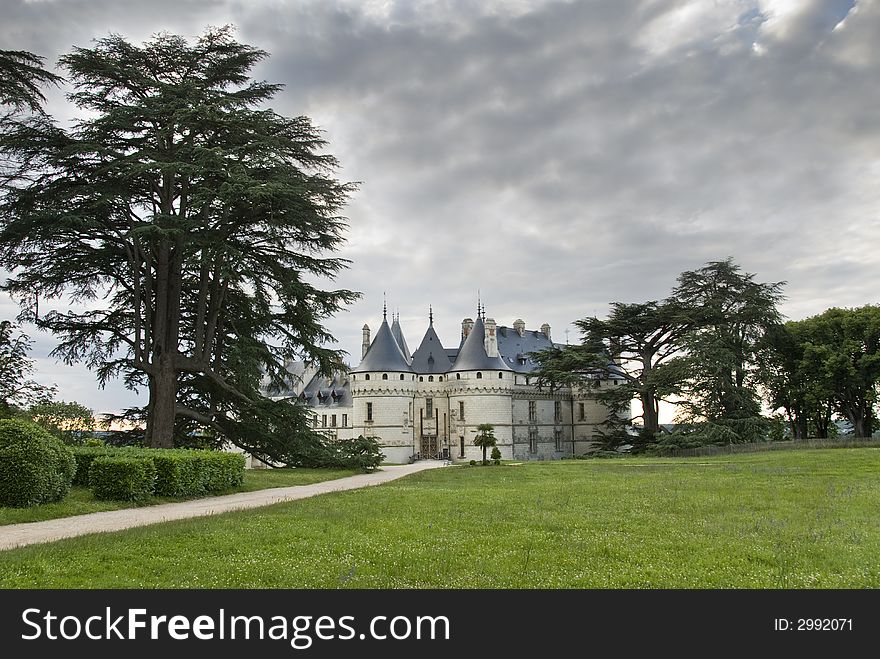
(384, 354)
(397, 333)
(515, 349)
(430, 356)
(472, 355)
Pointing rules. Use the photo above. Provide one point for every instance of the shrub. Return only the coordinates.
(34, 466)
(497, 462)
(178, 473)
(496, 454)
(84, 456)
(473, 463)
(122, 478)
(190, 473)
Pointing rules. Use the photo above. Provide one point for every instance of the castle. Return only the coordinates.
(428, 404)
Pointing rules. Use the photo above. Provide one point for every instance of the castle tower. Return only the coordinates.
(431, 413)
(480, 387)
(382, 389)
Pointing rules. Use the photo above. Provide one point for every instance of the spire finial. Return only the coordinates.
(384, 306)
(479, 303)
(430, 315)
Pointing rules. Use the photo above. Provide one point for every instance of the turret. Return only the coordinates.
(366, 342)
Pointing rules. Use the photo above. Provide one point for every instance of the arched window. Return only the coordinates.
(421, 378)
(458, 376)
(430, 378)
(479, 376)
(439, 378)
(401, 376)
(500, 375)
(384, 376)
(367, 376)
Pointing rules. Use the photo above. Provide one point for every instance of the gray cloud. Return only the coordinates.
(561, 155)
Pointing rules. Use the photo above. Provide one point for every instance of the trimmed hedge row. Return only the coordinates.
(122, 478)
(175, 472)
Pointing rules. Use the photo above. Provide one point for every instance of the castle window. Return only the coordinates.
(439, 378)
(581, 414)
(333, 421)
(401, 376)
(461, 410)
(458, 376)
(345, 420)
(429, 407)
(479, 376)
(367, 376)
(353, 378)
(430, 378)
(323, 420)
(557, 435)
(421, 378)
(461, 447)
(369, 411)
(557, 411)
(384, 376)
(533, 440)
(500, 375)
(533, 411)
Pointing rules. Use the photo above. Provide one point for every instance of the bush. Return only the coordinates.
(473, 463)
(192, 473)
(497, 462)
(35, 467)
(122, 478)
(496, 454)
(84, 456)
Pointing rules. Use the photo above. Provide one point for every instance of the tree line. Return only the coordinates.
(718, 349)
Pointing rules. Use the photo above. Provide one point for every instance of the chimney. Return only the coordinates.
(466, 326)
(491, 338)
(366, 344)
(545, 330)
(519, 326)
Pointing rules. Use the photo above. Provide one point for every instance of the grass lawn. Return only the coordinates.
(792, 519)
(81, 501)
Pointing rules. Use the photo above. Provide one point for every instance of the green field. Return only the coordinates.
(794, 519)
(81, 500)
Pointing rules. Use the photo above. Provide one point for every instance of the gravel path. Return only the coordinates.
(18, 535)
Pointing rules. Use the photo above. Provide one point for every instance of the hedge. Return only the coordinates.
(182, 473)
(35, 467)
(122, 478)
(179, 473)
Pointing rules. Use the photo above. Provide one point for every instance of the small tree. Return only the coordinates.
(70, 422)
(16, 388)
(485, 438)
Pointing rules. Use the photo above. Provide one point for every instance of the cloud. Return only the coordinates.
(561, 155)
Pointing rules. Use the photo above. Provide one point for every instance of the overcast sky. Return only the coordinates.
(555, 156)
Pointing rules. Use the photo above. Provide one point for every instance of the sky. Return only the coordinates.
(550, 157)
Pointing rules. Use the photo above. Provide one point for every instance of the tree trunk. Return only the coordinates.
(650, 414)
(163, 401)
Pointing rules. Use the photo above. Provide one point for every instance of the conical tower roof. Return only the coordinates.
(384, 353)
(473, 356)
(397, 333)
(430, 357)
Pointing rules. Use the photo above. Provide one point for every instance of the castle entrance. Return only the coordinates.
(430, 448)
